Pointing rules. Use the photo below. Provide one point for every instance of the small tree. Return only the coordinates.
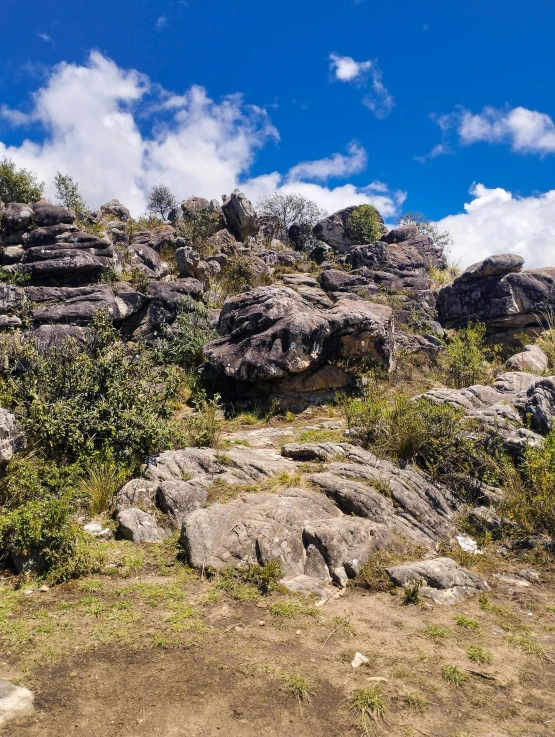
(366, 225)
(18, 185)
(284, 210)
(67, 192)
(425, 226)
(161, 201)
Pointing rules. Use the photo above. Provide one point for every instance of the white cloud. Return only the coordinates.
(378, 99)
(495, 221)
(118, 134)
(44, 36)
(336, 165)
(346, 69)
(525, 131)
(161, 22)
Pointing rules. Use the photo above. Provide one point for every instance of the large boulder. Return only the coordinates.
(334, 230)
(531, 358)
(114, 208)
(441, 579)
(497, 293)
(272, 334)
(240, 215)
(15, 702)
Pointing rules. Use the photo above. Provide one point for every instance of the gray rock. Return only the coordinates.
(445, 581)
(240, 215)
(115, 208)
(256, 527)
(272, 333)
(78, 305)
(12, 254)
(10, 321)
(496, 265)
(46, 214)
(335, 232)
(12, 439)
(16, 218)
(139, 493)
(189, 264)
(179, 498)
(507, 303)
(15, 702)
(531, 358)
(140, 527)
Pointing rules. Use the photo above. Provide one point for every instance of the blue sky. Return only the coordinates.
(406, 104)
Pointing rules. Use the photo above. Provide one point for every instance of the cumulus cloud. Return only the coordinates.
(368, 74)
(117, 133)
(525, 131)
(495, 221)
(337, 165)
(161, 22)
(346, 69)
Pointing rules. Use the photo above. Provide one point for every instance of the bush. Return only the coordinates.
(183, 345)
(36, 523)
(437, 438)
(441, 240)
(205, 427)
(197, 227)
(239, 274)
(365, 224)
(18, 185)
(467, 359)
(72, 400)
(530, 495)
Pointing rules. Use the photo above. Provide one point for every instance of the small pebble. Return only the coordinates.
(44, 587)
(261, 623)
(359, 659)
(298, 633)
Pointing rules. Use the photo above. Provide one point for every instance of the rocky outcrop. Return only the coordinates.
(496, 292)
(517, 409)
(334, 230)
(190, 264)
(114, 208)
(442, 579)
(531, 358)
(272, 334)
(12, 439)
(240, 215)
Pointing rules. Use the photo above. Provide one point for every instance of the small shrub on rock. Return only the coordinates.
(467, 359)
(365, 225)
(18, 185)
(183, 344)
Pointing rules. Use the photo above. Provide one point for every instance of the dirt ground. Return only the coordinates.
(161, 651)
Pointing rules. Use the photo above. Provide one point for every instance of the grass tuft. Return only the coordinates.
(367, 706)
(467, 623)
(479, 655)
(452, 674)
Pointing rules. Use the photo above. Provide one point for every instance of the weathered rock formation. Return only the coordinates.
(498, 293)
(336, 232)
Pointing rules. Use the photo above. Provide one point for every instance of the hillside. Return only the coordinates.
(243, 446)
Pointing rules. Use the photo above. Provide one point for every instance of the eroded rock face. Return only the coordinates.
(444, 581)
(115, 208)
(272, 334)
(531, 358)
(505, 409)
(496, 292)
(240, 215)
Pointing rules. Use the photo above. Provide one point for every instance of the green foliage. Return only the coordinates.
(252, 581)
(467, 623)
(183, 343)
(368, 705)
(280, 211)
(479, 655)
(298, 687)
(36, 523)
(103, 477)
(411, 594)
(146, 221)
(425, 226)
(452, 674)
(530, 497)
(18, 185)
(67, 192)
(416, 701)
(72, 400)
(435, 437)
(197, 227)
(365, 224)
(160, 201)
(437, 632)
(238, 275)
(466, 359)
(205, 426)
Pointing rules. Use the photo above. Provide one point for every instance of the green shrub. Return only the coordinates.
(205, 426)
(197, 227)
(365, 224)
(103, 477)
(18, 185)
(36, 522)
(435, 437)
(72, 399)
(467, 359)
(238, 275)
(183, 344)
(530, 496)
